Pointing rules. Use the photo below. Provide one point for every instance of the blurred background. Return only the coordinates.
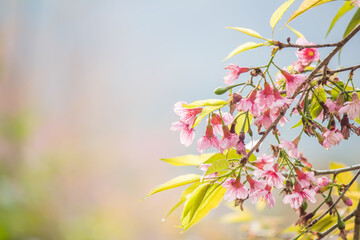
(87, 90)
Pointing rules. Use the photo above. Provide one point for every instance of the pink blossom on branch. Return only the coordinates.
(272, 177)
(187, 134)
(306, 179)
(291, 147)
(235, 189)
(249, 104)
(265, 194)
(331, 137)
(208, 140)
(352, 108)
(216, 121)
(307, 55)
(186, 115)
(266, 97)
(229, 139)
(297, 198)
(292, 81)
(234, 73)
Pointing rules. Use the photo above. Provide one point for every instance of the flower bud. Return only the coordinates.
(347, 200)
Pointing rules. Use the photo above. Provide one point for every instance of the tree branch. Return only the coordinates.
(332, 228)
(336, 171)
(357, 222)
(290, 45)
(334, 204)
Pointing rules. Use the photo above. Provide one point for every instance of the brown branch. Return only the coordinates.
(357, 222)
(338, 45)
(336, 171)
(290, 45)
(333, 227)
(336, 202)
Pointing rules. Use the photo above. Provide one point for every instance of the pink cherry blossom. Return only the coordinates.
(254, 186)
(187, 134)
(249, 104)
(274, 113)
(307, 55)
(229, 139)
(264, 120)
(266, 97)
(265, 194)
(234, 73)
(352, 108)
(235, 189)
(298, 66)
(331, 137)
(292, 81)
(279, 100)
(305, 178)
(186, 115)
(291, 147)
(322, 181)
(299, 196)
(240, 148)
(272, 176)
(208, 141)
(263, 160)
(204, 168)
(216, 121)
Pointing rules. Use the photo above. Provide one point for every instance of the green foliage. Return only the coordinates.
(344, 9)
(353, 23)
(248, 31)
(297, 33)
(277, 15)
(205, 112)
(188, 160)
(205, 198)
(307, 5)
(244, 47)
(204, 103)
(175, 182)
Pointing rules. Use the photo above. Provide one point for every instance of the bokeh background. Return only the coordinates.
(86, 96)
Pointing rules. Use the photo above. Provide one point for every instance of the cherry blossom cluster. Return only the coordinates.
(325, 107)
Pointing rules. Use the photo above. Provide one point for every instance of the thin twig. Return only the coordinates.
(357, 222)
(336, 171)
(332, 228)
(290, 45)
(334, 204)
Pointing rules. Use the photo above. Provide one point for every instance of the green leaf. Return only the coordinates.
(279, 13)
(203, 103)
(244, 47)
(297, 33)
(201, 204)
(353, 22)
(217, 166)
(320, 92)
(315, 110)
(357, 120)
(193, 202)
(306, 5)
(184, 196)
(248, 31)
(298, 124)
(344, 9)
(188, 160)
(215, 157)
(206, 111)
(175, 182)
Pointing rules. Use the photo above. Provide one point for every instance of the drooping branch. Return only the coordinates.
(290, 45)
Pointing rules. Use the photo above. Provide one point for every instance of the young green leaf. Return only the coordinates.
(306, 5)
(344, 9)
(188, 160)
(244, 47)
(204, 103)
(297, 33)
(353, 23)
(184, 195)
(217, 166)
(193, 202)
(279, 13)
(297, 125)
(210, 200)
(175, 182)
(248, 31)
